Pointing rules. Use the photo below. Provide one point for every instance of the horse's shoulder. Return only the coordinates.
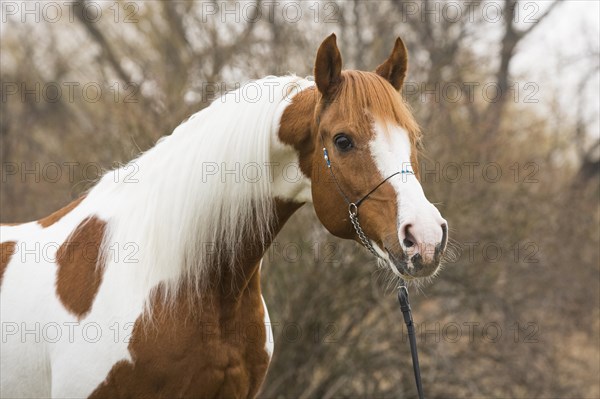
(213, 349)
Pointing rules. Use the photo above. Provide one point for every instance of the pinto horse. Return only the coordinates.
(143, 286)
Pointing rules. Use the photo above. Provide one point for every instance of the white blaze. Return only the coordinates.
(391, 151)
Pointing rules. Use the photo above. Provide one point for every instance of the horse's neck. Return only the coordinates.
(291, 149)
(173, 208)
(253, 250)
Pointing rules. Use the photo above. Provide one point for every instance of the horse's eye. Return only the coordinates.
(343, 142)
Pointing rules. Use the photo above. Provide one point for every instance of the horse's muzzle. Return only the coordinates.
(421, 260)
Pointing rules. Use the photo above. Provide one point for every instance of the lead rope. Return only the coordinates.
(410, 327)
(403, 290)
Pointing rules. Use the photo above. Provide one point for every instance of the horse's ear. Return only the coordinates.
(395, 67)
(328, 66)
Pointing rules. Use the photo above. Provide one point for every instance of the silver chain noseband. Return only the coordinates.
(353, 211)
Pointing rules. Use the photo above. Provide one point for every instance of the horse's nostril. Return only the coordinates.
(409, 239)
(444, 236)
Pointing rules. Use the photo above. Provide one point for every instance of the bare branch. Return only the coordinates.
(98, 37)
(539, 20)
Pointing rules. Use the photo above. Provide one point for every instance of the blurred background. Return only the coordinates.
(507, 96)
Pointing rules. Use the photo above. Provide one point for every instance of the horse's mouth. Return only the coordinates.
(412, 268)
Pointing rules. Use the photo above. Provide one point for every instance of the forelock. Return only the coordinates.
(363, 96)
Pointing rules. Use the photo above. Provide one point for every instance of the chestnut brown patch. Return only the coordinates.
(79, 272)
(296, 127)
(56, 216)
(181, 352)
(7, 250)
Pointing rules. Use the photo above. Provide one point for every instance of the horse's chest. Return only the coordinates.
(217, 352)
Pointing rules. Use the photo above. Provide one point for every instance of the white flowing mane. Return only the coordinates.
(171, 207)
